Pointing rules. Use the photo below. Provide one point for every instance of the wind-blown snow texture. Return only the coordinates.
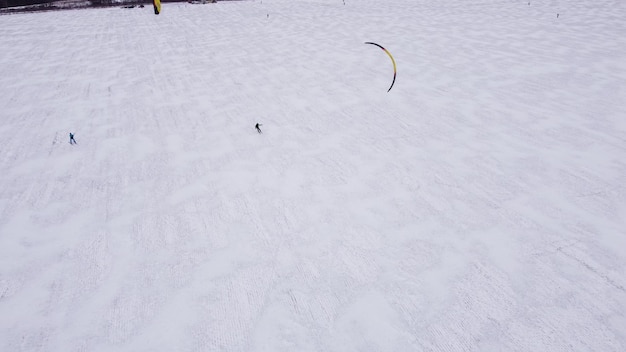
(478, 206)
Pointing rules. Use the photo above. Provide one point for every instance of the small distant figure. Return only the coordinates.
(557, 15)
(258, 128)
(72, 140)
(268, 15)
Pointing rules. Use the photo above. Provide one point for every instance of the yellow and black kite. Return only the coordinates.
(157, 6)
(392, 61)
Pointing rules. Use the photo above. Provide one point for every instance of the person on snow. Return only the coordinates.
(258, 129)
(72, 140)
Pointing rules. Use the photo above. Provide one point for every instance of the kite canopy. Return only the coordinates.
(392, 61)
(157, 6)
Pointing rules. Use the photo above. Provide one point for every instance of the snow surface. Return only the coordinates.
(480, 205)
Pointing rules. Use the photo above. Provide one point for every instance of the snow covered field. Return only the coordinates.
(480, 205)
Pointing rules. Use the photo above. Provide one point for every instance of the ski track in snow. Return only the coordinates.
(478, 206)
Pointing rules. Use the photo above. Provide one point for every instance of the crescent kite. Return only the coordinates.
(392, 61)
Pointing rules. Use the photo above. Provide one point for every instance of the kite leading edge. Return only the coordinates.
(392, 61)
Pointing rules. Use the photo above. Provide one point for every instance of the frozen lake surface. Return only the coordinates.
(480, 205)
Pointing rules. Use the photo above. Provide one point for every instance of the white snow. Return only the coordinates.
(480, 205)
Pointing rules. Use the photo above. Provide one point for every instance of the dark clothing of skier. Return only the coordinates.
(72, 140)
(257, 128)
